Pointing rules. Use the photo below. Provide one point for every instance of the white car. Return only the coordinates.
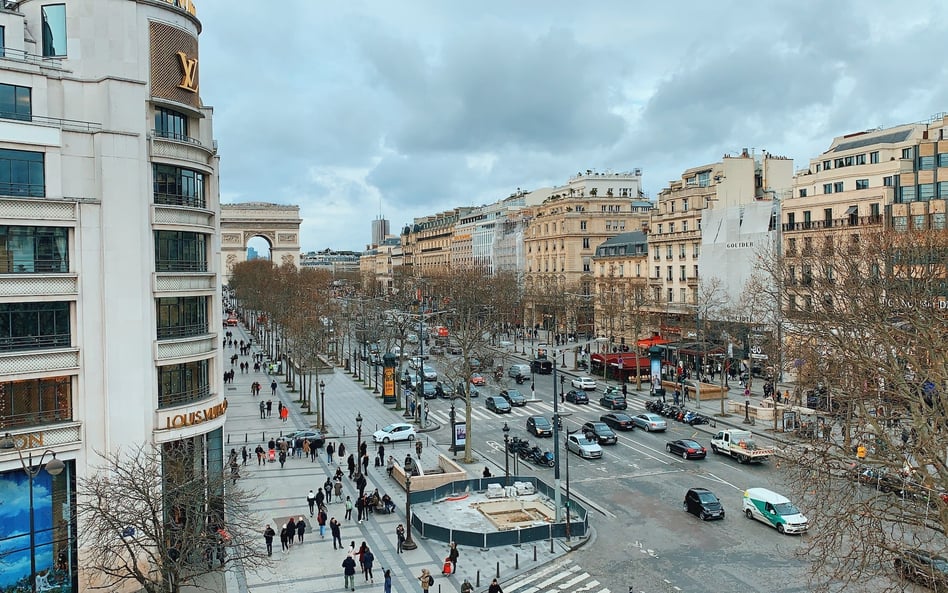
(650, 422)
(584, 447)
(394, 432)
(430, 373)
(587, 383)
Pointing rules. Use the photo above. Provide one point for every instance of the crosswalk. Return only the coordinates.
(560, 577)
(479, 410)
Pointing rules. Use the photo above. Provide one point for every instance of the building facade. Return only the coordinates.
(620, 269)
(427, 243)
(109, 288)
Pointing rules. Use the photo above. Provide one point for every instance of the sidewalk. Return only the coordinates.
(314, 565)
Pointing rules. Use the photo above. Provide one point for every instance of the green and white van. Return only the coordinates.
(775, 510)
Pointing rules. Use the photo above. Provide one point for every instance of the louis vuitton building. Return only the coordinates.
(109, 287)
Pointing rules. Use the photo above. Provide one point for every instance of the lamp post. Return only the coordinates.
(568, 432)
(376, 388)
(408, 544)
(405, 380)
(54, 467)
(506, 430)
(359, 435)
(454, 433)
(322, 405)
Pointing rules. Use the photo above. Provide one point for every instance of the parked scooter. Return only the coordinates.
(518, 445)
(537, 456)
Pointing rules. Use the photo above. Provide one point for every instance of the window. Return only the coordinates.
(587, 264)
(888, 181)
(943, 189)
(682, 295)
(838, 186)
(638, 270)
(874, 157)
(792, 302)
(827, 188)
(22, 173)
(180, 317)
(32, 249)
(704, 179)
(671, 206)
(791, 220)
(806, 218)
(681, 251)
(943, 159)
(926, 191)
(668, 252)
(681, 274)
(180, 251)
(828, 217)
(671, 295)
(671, 227)
(34, 326)
(183, 383)
(171, 124)
(175, 186)
(684, 226)
(926, 163)
(900, 223)
(684, 205)
(837, 163)
(695, 271)
(695, 250)
(582, 225)
(906, 194)
(849, 161)
(826, 165)
(658, 272)
(791, 246)
(585, 242)
(908, 153)
(792, 275)
(36, 402)
(659, 228)
(657, 292)
(15, 102)
(807, 275)
(861, 159)
(803, 193)
(54, 30)
(3, 41)
(668, 274)
(938, 221)
(862, 184)
(808, 302)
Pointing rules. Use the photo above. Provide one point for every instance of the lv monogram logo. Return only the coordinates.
(189, 71)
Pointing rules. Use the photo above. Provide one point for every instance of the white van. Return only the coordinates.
(775, 510)
(518, 370)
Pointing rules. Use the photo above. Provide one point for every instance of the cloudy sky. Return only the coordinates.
(411, 107)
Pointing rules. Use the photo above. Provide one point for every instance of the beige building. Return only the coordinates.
(377, 266)
(427, 243)
(864, 182)
(565, 230)
(620, 271)
(677, 238)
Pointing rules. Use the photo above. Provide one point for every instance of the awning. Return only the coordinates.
(850, 211)
(653, 341)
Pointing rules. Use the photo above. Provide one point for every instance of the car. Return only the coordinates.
(601, 432)
(415, 362)
(613, 401)
(923, 567)
(429, 372)
(429, 390)
(436, 350)
(498, 404)
(454, 350)
(584, 447)
(230, 321)
(514, 397)
(687, 448)
(540, 426)
(618, 421)
(541, 366)
(703, 504)
(650, 422)
(308, 434)
(587, 383)
(577, 397)
(478, 380)
(394, 432)
(446, 390)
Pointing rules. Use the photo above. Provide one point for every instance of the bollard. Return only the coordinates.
(478, 582)
(534, 553)
(498, 569)
(263, 436)
(439, 587)
(551, 545)
(228, 439)
(246, 438)
(343, 431)
(517, 561)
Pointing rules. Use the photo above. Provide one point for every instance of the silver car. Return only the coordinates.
(650, 422)
(584, 447)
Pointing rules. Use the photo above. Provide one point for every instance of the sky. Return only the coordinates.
(351, 109)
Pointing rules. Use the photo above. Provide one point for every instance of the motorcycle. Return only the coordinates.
(518, 445)
(521, 379)
(611, 390)
(655, 406)
(699, 419)
(582, 364)
(537, 456)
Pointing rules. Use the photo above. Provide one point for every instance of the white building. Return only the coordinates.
(109, 291)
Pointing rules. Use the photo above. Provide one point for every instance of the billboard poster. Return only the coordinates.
(460, 434)
(388, 385)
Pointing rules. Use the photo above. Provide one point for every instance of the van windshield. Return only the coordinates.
(785, 508)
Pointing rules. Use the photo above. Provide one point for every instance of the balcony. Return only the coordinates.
(185, 282)
(835, 223)
(180, 147)
(35, 361)
(168, 350)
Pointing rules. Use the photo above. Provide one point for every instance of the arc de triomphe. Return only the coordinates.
(277, 224)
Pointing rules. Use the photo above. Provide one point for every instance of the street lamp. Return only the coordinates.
(54, 467)
(408, 544)
(322, 405)
(568, 432)
(359, 435)
(454, 433)
(506, 430)
(376, 388)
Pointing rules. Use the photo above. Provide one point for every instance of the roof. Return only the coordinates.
(890, 138)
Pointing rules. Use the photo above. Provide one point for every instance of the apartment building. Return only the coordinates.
(893, 178)
(707, 227)
(378, 265)
(620, 271)
(567, 227)
(110, 308)
(427, 243)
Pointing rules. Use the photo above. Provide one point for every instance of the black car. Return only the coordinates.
(539, 426)
(613, 401)
(514, 397)
(429, 390)
(924, 568)
(577, 396)
(687, 448)
(702, 503)
(541, 366)
(498, 404)
(618, 421)
(601, 432)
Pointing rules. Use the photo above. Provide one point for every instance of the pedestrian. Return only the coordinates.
(453, 557)
(311, 501)
(467, 587)
(351, 462)
(282, 458)
(360, 507)
(360, 483)
(327, 489)
(426, 580)
(365, 463)
(362, 549)
(329, 451)
(426, 414)
(321, 521)
(260, 454)
(341, 450)
(269, 407)
(400, 536)
(349, 571)
(337, 488)
(268, 534)
(244, 454)
(381, 451)
(368, 558)
(320, 497)
(284, 538)
(273, 388)
(387, 587)
(348, 508)
(263, 409)
(284, 413)
(418, 448)
(301, 528)
(335, 529)
(390, 465)
(291, 529)
(305, 448)
(486, 473)
(494, 587)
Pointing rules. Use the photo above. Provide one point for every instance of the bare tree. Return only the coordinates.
(154, 520)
